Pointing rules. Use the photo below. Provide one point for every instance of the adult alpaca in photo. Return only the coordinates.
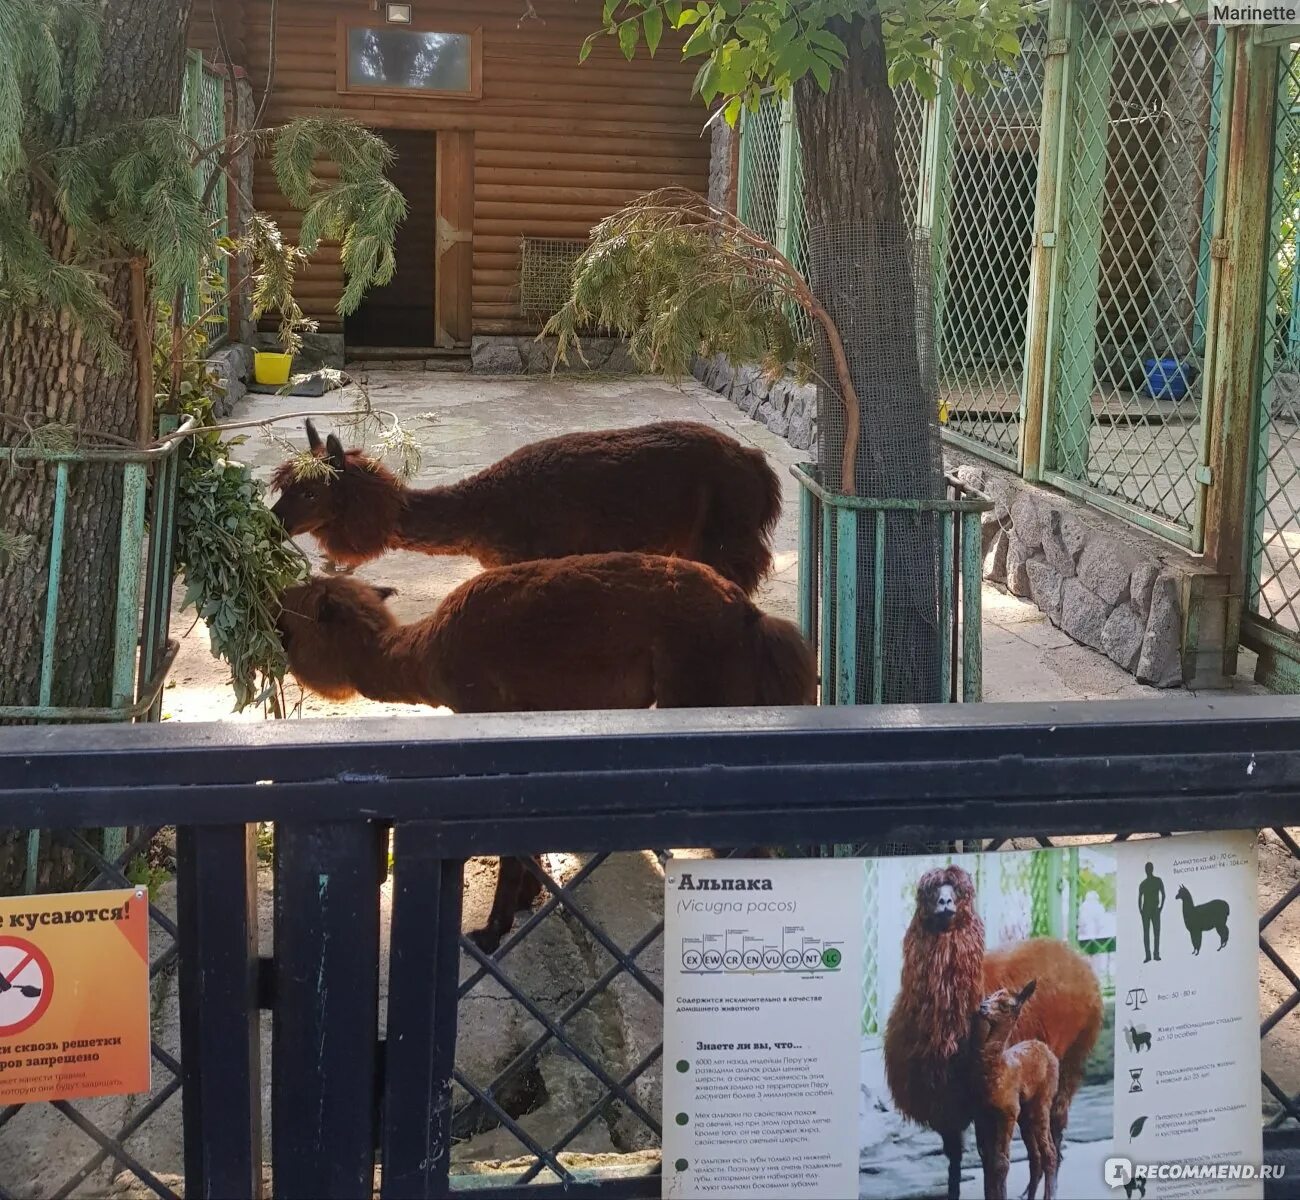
(592, 632)
(1015, 1083)
(946, 973)
(1199, 918)
(675, 488)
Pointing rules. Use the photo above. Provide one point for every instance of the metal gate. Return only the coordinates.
(1272, 625)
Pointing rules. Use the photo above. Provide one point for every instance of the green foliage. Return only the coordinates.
(677, 279)
(232, 555)
(362, 210)
(142, 873)
(1103, 885)
(134, 189)
(753, 45)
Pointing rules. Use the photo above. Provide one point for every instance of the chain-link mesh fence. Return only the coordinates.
(1274, 591)
(984, 230)
(1142, 139)
(546, 275)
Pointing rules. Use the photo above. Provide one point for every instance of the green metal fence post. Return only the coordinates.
(1043, 257)
(972, 609)
(788, 180)
(826, 607)
(1238, 321)
(846, 605)
(1081, 199)
(809, 521)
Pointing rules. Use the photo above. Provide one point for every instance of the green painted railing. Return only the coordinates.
(142, 651)
(836, 614)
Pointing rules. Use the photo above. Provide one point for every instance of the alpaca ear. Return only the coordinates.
(313, 438)
(385, 593)
(1026, 992)
(334, 452)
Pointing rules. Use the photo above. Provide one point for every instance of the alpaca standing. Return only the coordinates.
(946, 972)
(1012, 1085)
(591, 632)
(1213, 914)
(675, 488)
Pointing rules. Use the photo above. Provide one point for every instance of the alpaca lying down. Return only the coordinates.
(590, 632)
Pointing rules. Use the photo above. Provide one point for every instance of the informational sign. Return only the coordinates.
(74, 995)
(877, 1027)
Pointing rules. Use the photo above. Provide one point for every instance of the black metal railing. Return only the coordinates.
(357, 1084)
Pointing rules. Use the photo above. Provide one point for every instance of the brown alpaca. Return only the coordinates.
(1012, 1085)
(676, 487)
(946, 972)
(590, 632)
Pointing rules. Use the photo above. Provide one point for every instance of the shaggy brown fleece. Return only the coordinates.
(588, 632)
(946, 973)
(674, 488)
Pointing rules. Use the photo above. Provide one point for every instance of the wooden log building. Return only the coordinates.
(500, 135)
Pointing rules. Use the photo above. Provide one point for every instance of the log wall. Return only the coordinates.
(557, 145)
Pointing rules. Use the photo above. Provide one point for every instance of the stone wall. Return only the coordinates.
(1106, 585)
(530, 356)
(786, 406)
(722, 137)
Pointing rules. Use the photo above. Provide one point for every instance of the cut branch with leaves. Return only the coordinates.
(680, 277)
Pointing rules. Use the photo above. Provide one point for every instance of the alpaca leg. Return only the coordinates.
(530, 887)
(505, 903)
(1223, 935)
(1049, 1164)
(952, 1147)
(1034, 1155)
(1196, 942)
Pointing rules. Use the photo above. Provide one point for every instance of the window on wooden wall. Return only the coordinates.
(442, 60)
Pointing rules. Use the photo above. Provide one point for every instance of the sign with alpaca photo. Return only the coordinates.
(1027, 1023)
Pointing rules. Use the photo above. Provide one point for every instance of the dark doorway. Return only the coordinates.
(401, 312)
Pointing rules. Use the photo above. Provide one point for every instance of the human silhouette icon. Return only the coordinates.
(1151, 899)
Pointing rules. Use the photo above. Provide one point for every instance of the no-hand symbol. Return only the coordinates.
(26, 985)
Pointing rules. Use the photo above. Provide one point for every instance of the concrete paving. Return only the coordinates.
(468, 422)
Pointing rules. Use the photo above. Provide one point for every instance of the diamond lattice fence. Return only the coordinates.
(1142, 138)
(984, 230)
(1275, 529)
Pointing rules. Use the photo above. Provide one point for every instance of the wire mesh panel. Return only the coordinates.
(1142, 137)
(546, 275)
(1274, 592)
(984, 232)
(759, 192)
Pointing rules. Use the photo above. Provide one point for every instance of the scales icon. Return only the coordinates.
(1136, 998)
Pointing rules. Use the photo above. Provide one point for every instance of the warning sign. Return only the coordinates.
(74, 995)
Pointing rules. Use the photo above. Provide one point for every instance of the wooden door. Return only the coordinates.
(454, 267)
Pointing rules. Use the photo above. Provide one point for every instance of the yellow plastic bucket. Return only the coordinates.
(271, 370)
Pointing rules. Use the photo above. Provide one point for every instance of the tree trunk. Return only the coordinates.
(48, 374)
(867, 271)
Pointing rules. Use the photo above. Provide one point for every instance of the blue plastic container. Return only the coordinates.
(1166, 378)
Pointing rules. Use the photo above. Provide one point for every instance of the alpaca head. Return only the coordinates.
(325, 624)
(1182, 893)
(998, 1011)
(944, 899)
(350, 506)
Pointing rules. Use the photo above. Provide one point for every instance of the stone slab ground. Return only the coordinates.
(473, 421)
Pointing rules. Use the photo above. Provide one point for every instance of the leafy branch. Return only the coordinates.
(678, 276)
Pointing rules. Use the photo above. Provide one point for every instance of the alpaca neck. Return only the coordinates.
(989, 1058)
(396, 669)
(436, 520)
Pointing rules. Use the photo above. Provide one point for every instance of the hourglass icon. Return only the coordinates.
(1135, 1074)
(1137, 997)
